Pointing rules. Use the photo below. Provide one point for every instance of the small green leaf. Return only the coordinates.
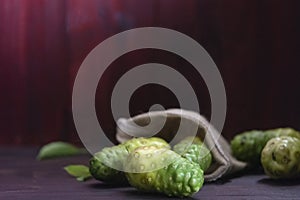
(81, 172)
(59, 149)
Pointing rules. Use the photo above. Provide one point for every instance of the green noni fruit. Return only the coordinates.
(134, 143)
(109, 156)
(247, 146)
(280, 157)
(152, 169)
(196, 152)
(107, 164)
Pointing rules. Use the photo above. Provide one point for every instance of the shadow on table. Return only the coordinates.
(135, 194)
(245, 172)
(239, 174)
(220, 181)
(279, 182)
(106, 186)
(132, 193)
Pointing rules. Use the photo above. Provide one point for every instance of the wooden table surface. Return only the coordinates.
(22, 177)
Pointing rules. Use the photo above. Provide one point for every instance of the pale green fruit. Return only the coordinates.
(280, 157)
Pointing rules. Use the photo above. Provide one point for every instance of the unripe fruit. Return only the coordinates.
(107, 165)
(280, 157)
(247, 146)
(194, 150)
(153, 169)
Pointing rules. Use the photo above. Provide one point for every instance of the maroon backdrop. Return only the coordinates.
(254, 43)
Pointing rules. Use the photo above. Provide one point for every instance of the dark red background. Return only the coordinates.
(254, 43)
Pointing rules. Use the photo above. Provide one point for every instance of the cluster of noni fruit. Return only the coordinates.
(150, 165)
(276, 150)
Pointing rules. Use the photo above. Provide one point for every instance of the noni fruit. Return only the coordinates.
(132, 144)
(280, 157)
(193, 149)
(160, 170)
(107, 165)
(247, 146)
(101, 162)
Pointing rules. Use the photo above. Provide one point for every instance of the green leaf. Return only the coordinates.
(81, 172)
(59, 149)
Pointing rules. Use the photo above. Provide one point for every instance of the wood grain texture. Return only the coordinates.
(255, 45)
(23, 177)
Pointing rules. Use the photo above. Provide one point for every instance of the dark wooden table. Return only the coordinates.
(22, 177)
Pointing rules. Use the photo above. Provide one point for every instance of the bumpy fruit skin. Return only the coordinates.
(280, 157)
(196, 152)
(115, 156)
(247, 146)
(109, 156)
(134, 143)
(153, 169)
(191, 139)
(284, 132)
